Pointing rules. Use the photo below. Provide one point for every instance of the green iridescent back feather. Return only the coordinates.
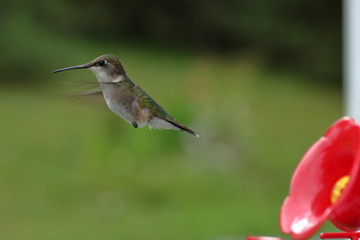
(145, 101)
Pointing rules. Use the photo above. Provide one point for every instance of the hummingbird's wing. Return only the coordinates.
(159, 117)
(90, 93)
(84, 91)
(93, 98)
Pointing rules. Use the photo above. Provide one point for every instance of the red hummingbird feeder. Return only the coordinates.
(326, 186)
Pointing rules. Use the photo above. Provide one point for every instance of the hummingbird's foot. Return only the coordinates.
(134, 124)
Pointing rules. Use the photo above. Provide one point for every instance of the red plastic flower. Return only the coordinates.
(325, 184)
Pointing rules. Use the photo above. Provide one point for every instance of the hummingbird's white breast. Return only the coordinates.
(111, 94)
(121, 108)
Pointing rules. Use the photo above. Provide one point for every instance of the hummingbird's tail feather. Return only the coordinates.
(183, 128)
(161, 123)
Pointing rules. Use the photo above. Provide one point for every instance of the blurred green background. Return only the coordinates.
(259, 80)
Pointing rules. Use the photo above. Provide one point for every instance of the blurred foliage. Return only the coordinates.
(302, 36)
(68, 171)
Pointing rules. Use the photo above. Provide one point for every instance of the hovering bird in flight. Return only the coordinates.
(127, 99)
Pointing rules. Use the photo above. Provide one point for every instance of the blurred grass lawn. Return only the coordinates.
(73, 171)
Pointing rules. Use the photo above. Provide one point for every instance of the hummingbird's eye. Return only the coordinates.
(102, 63)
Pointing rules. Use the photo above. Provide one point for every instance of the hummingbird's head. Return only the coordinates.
(107, 68)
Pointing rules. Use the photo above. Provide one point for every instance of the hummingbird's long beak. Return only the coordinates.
(70, 68)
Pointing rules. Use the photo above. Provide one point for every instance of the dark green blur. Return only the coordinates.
(299, 36)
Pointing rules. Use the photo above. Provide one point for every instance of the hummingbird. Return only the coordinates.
(125, 98)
